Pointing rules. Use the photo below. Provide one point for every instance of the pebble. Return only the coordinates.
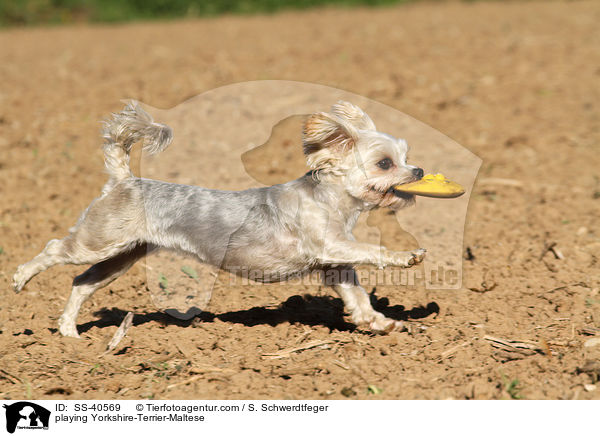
(592, 342)
(589, 387)
(582, 231)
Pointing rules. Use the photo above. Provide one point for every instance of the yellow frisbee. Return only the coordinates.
(432, 186)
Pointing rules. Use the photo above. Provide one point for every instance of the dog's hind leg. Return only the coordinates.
(96, 277)
(69, 250)
(55, 253)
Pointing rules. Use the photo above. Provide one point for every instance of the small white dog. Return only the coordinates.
(278, 231)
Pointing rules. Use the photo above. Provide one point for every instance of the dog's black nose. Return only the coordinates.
(418, 173)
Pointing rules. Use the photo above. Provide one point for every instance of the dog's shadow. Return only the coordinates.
(307, 310)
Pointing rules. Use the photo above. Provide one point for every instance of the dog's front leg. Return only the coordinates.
(342, 278)
(350, 252)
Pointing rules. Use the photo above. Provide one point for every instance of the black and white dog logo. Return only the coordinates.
(26, 415)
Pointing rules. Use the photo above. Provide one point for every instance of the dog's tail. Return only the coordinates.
(126, 128)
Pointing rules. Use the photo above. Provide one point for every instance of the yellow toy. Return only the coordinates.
(432, 186)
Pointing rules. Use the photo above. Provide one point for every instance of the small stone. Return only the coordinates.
(488, 80)
(592, 342)
(582, 231)
(348, 392)
(589, 387)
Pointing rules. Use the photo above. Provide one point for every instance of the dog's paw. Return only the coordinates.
(19, 279)
(418, 255)
(67, 328)
(377, 323)
(406, 259)
(385, 326)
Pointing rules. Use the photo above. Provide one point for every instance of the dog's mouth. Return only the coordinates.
(400, 194)
(390, 194)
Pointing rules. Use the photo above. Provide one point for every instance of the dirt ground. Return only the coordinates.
(516, 83)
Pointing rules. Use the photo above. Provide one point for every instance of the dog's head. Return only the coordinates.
(345, 146)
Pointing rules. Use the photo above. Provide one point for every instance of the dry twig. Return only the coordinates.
(512, 350)
(120, 333)
(485, 287)
(551, 247)
(590, 331)
(450, 351)
(499, 181)
(341, 364)
(8, 376)
(205, 369)
(312, 344)
(201, 373)
(185, 382)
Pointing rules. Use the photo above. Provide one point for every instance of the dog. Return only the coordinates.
(281, 231)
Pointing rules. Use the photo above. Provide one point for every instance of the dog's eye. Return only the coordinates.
(385, 164)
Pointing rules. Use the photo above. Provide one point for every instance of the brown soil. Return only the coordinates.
(515, 83)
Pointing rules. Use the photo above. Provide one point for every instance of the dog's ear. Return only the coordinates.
(353, 114)
(325, 138)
